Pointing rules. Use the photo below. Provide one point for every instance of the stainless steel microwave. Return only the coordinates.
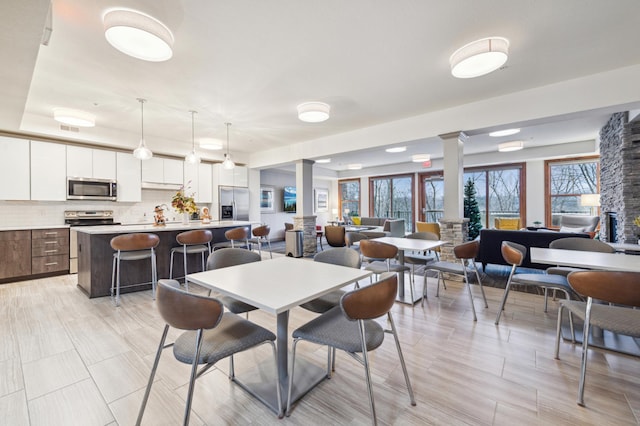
(91, 189)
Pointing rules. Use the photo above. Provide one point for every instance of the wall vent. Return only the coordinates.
(69, 128)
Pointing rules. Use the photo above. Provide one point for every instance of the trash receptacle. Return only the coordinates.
(293, 243)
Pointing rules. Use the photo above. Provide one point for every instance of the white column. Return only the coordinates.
(305, 219)
(453, 175)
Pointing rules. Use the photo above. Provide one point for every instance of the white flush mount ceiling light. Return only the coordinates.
(192, 157)
(510, 146)
(479, 57)
(139, 35)
(354, 166)
(211, 144)
(74, 117)
(227, 163)
(396, 149)
(313, 112)
(142, 152)
(505, 132)
(323, 160)
(420, 158)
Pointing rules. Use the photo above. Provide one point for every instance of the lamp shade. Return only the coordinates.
(479, 57)
(313, 112)
(590, 200)
(138, 35)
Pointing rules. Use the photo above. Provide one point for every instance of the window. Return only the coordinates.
(432, 197)
(349, 197)
(392, 196)
(566, 180)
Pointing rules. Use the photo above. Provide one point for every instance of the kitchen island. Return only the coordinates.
(95, 254)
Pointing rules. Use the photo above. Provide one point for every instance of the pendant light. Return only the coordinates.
(142, 152)
(192, 157)
(227, 163)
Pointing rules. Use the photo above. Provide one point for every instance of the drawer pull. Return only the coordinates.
(51, 264)
(51, 251)
(50, 233)
(51, 242)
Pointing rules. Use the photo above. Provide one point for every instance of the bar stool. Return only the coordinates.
(193, 242)
(261, 233)
(237, 234)
(133, 247)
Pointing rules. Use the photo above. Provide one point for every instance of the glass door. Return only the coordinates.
(392, 196)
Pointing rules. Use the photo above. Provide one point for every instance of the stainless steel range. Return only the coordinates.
(84, 218)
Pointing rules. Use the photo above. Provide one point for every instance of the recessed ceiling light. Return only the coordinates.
(420, 158)
(479, 57)
(137, 34)
(211, 144)
(510, 146)
(354, 166)
(323, 160)
(505, 132)
(74, 117)
(313, 112)
(396, 149)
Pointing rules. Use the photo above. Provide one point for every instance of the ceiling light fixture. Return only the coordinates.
(227, 163)
(211, 144)
(420, 158)
(323, 160)
(74, 117)
(354, 166)
(505, 132)
(479, 57)
(396, 149)
(313, 112)
(142, 152)
(510, 146)
(192, 157)
(139, 35)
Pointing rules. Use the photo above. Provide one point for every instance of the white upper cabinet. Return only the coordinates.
(48, 171)
(129, 177)
(91, 163)
(173, 172)
(238, 176)
(162, 170)
(205, 185)
(14, 169)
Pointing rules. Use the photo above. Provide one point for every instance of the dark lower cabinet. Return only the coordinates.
(15, 252)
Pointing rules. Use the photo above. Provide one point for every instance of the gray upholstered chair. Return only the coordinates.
(128, 247)
(260, 235)
(335, 235)
(420, 259)
(514, 253)
(574, 243)
(620, 289)
(466, 253)
(352, 237)
(226, 257)
(579, 223)
(197, 241)
(210, 336)
(394, 228)
(351, 327)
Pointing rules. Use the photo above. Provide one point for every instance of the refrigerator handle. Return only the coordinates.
(235, 212)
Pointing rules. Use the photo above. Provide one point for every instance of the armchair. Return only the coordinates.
(576, 223)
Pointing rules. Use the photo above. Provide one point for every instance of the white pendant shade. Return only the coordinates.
(479, 57)
(313, 112)
(138, 35)
(142, 152)
(74, 117)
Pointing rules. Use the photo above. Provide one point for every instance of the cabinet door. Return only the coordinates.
(153, 170)
(79, 162)
(240, 176)
(48, 171)
(15, 251)
(104, 164)
(128, 177)
(191, 179)
(173, 171)
(205, 184)
(14, 169)
(225, 177)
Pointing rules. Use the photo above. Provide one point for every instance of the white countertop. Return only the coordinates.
(28, 228)
(143, 227)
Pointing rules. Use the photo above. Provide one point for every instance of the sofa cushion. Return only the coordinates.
(372, 221)
(570, 229)
(355, 220)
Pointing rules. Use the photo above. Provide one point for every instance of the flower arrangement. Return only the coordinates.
(184, 203)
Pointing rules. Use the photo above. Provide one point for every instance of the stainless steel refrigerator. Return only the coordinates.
(234, 203)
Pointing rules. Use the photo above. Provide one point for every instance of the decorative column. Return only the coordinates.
(456, 231)
(453, 226)
(305, 220)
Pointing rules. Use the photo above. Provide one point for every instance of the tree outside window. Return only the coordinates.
(566, 181)
(349, 196)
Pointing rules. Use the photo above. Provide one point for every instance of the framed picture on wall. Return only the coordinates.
(266, 199)
(321, 200)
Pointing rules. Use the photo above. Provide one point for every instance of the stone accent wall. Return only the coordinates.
(620, 175)
(456, 231)
(308, 226)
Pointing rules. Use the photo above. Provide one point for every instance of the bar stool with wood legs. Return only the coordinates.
(197, 241)
(137, 246)
(260, 234)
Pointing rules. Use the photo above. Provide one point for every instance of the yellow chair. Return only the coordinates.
(433, 227)
(508, 223)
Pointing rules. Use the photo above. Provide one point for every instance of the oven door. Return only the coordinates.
(91, 189)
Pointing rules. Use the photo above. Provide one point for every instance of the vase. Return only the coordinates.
(185, 218)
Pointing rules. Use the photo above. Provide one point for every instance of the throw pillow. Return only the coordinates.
(356, 220)
(573, 230)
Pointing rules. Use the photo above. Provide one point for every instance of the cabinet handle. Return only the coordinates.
(51, 242)
(51, 264)
(51, 251)
(50, 233)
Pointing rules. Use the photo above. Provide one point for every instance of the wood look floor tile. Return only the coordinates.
(13, 409)
(10, 376)
(95, 340)
(36, 346)
(54, 372)
(120, 375)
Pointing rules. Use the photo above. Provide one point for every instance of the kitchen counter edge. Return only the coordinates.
(32, 227)
(126, 229)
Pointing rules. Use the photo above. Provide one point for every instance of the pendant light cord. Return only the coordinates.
(227, 124)
(193, 137)
(142, 101)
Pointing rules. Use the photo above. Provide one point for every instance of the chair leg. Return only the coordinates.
(154, 274)
(486, 305)
(466, 281)
(192, 379)
(585, 350)
(558, 332)
(232, 370)
(546, 299)
(152, 375)
(506, 294)
(118, 281)
(259, 247)
(402, 363)
(113, 278)
(270, 252)
(367, 372)
(287, 412)
(171, 265)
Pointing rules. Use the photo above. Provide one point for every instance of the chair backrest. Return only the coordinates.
(583, 244)
(335, 235)
(513, 253)
(428, 227)
(261, 231)
(378, 250)
(351, 237)
(509, 223)
(395, 227)
(196, 236)
(237, 234)
(225, 257)
(371, 301)
(571, 223)
(138, 241)
(342, 256)
(288, 226)
(423, 236)
(611, 286)
(187, 311)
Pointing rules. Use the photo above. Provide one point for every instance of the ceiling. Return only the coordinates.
(382, 66)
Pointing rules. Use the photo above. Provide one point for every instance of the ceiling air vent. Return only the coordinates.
(69, 128)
